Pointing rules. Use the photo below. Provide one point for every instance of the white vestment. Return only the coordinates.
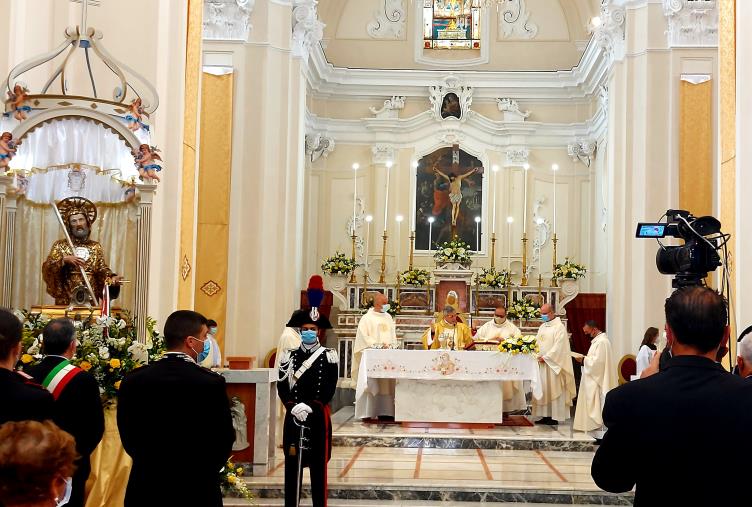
(290, 339)
(644, 356)
(214, 359)
(374, 329)
(556, 372)
(514, 392)
(598, 378)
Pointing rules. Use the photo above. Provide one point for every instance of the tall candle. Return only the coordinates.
(369, 219)
(355, 192)
(386, 195)
(555, 168)
(495, 169)
(509, 243)
(524, 201)
(399, 219)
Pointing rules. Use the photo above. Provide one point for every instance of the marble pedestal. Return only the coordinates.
(448, 401)
(257, 391)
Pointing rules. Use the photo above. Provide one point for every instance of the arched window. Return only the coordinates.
(451, 24)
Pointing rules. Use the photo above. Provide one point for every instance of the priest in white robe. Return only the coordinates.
(375, 329)
(598, 378)
(556, 370)
(497, 330)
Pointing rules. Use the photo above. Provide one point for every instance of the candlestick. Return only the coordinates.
(369, 219)
(493, 250)
(495, 169)
(386, 197)
(352, 274)
(540, 285)
(510, 220)
(523, 282)
(412, 249)
(399, 219)
(355, 167)
(555, 168)
(524, 202)
(365, 288)
(477, 234)
(553, 276)
(383, 260)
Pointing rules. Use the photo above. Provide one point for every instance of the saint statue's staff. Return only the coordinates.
(73, 249)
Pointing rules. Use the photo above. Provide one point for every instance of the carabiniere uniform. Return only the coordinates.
(314, 387)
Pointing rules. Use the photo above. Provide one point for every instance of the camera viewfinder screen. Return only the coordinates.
(651, 230)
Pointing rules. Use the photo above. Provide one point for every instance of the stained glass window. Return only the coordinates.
(451, 24)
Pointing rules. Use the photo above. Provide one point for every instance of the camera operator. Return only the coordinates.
(695, 408)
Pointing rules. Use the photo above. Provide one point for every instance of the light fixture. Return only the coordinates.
(431, 220)
(595, 22)
(526, 166)
(356, 166)
(388, 164)
(495, 168)
(399, 218)
(555, 167)
(539, 220)
(510, 220)
(477, 220)
(369, 218)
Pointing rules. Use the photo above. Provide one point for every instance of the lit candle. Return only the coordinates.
(555, 168)
(355, 167)
(495, 169)
(386, 195)
(399, 219)
(509, 243)
(524, 201)
(413, 206)
(477, 234)
(430, 230)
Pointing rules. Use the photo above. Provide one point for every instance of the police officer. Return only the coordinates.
(308, 378)
(21, 399)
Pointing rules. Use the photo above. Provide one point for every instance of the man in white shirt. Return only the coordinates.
(598, 378)
(497, 330)
(556, 370)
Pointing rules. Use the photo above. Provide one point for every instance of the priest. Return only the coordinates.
(449, 333)
(496, 331)
(556, 371)
(290, 337)
(375, 329)
(598, 378)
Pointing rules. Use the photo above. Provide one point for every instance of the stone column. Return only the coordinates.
(9, 232)
(6, 183)
(143, 237)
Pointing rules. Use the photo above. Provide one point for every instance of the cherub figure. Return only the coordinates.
(145, 159)
(18, 97)
(7, 149)
(136, 112)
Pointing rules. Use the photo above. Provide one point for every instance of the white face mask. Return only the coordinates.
(500, 320)
(66, 494)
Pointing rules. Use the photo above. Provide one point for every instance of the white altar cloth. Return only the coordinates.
(453, 369)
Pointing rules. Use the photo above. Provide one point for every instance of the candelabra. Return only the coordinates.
(553, 272)
(412, 248)
(365, 288)
(493, 250)
(352, 274)
(540, 286)
(523, 282)
(382, 279)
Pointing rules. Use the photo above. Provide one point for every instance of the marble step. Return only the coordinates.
(521, 443)
(279, 502)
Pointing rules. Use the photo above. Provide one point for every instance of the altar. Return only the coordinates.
(441, 385)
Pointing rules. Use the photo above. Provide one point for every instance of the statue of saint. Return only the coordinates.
(62, 269)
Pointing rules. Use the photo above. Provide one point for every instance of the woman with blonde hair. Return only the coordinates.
(36, 464)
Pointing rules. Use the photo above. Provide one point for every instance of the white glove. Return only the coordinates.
(301, 411)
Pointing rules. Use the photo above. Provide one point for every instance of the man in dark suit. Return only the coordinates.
(185, 409)
(20, 397)
(681, 436)
(78, 406)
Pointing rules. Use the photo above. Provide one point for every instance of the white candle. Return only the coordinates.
(495, 169)
(509, 243)
(555, 168)
(524, 201)
(413, 204)
(369, 219)
(477, 234)
(355, 167)
(430, 231)
(386, 195)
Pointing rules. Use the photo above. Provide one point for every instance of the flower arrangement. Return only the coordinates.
(522, 309)
(232, 483)
(490, 277)
(338, 264)
(569, 270)
(107, 347)
(453, 251)
(394, 307)
(416, 277)
(519, 345)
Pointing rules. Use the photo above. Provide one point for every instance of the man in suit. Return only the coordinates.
(681, 436)
(20, 397)
(307, 381)
(78, 406)
(185, 409)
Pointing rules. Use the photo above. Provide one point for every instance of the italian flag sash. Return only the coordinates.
(58, 378)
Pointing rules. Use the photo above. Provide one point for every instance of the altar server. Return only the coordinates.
(78, 406)
(556, 370)
(376, 328)
(307, 381)
(497, 330)
(598, 378)
(175, 422)
(449, 333)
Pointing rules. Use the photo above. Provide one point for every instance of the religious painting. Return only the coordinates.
(450, 106)
(449, 197)
(451, 24)
(489, 301)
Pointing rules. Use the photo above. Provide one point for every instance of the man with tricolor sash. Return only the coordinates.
(78, 406)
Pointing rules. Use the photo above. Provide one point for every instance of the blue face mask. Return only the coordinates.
(385, 308)
(204, 352)
(308, 336)
(544, 318)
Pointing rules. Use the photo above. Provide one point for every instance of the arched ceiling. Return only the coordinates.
(558, 45)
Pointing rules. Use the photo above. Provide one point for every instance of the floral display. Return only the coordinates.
(569, 270)
(453, 251)
(519, 345)
(107, 347)
(490, 277)
(523, 310)
(232, 483)
(416, 277)
(338, 264)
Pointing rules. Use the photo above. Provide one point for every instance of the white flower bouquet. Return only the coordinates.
(338, 264)
(490, 277)
(569, 269)
(453, 251)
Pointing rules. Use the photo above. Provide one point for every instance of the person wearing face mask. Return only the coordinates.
(497, 330)
(307, 381)
(36, 464)
(598, 378)
(556, 370)
(188, 404)
(449, 333)
(375, 329)
(214, 359)
(20, 397)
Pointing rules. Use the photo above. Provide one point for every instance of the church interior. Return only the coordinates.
(422, 163)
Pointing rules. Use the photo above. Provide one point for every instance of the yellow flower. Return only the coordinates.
(85, 365)
(231, 466)
(26, 359)
(239, 471)
(232, 479)
(117, 384)
(114, 363)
